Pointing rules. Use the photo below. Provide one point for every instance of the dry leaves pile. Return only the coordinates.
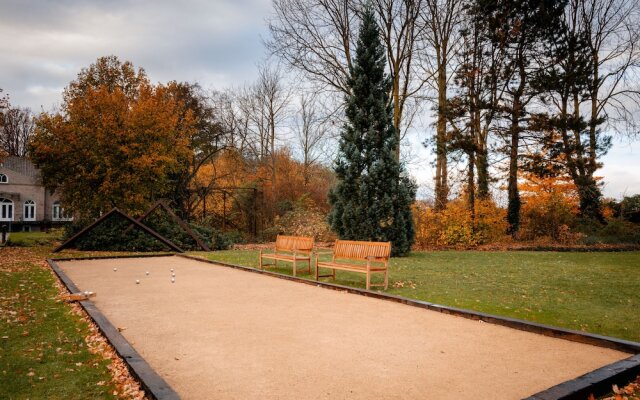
(629, 392)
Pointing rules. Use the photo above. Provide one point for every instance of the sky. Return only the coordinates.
(217, 43)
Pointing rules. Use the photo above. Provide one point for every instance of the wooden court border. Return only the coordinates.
(154, 386)
(597, 382)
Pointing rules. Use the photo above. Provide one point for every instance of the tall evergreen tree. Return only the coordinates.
(373, 196)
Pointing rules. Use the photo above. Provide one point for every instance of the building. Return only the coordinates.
(25, 204)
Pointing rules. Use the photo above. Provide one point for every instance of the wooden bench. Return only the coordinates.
(293, 249)
(376, 255)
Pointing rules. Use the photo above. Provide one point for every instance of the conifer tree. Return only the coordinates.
(373, 196)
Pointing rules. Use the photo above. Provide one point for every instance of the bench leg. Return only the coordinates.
(261, 260)
(386, 279)
(294, 267)
(309, 266)
(368, 280)
(334, 275)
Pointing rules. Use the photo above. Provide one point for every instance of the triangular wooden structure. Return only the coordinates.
(108, 215)
(176, 219)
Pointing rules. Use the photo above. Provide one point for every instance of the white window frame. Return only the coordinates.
(29, 204)
(4, 204)
(58, 213)
(4, 179)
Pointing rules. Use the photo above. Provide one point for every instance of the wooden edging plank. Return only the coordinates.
(152, 383)
(597, 382)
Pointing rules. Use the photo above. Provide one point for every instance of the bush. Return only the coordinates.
(305, 219)
(630, 208)
(111, 235)
(548, 215)
(455, 226)
(616, 231)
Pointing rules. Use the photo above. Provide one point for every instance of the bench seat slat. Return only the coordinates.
(285, 257)
(349, 267)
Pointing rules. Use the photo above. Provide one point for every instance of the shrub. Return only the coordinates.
(455, 226)
(630, 208)
(113, 235)
(616, 231)
(550, 215)
(305, 219)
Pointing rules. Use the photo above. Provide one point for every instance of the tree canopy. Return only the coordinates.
(115, 141)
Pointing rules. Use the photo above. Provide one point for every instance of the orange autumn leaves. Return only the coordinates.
(115, 142)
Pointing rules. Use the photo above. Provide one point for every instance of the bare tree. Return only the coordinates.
(312, 131)
(441, 21)
(263, 107)
(611, 27)
(17, 128)
(317, 37)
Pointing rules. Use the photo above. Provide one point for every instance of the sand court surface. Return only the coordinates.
(223, 333)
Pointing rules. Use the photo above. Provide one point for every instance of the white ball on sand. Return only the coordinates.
(137, 281)
(173, 274)
(115, 269)
(171, 269)
(147, 273)
(173, 280)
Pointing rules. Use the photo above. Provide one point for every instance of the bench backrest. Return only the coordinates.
(357, 250)
(294, 243)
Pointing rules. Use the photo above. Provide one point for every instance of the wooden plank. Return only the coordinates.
(111, 213)
(184, 226)
(175, 218)
(143, 216)
(152, 383)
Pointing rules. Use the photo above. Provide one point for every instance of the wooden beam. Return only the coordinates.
(115, 211)
(175, 218)
(143, 216)
(184, 226)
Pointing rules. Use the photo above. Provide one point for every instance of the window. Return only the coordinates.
(59, 214)
(29, 211)
(6, 210)
(4, 178)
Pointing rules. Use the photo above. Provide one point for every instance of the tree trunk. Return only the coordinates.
(471, 183)
(513, 207)
(442, 186)
(482, 167)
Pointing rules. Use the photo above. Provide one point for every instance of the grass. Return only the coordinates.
(592, 292)
(43, 353)
(30, 239)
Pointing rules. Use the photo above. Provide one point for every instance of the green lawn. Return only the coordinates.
(29, 239)
(43, 354)
(593, 292)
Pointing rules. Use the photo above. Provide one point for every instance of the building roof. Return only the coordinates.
(21, 165)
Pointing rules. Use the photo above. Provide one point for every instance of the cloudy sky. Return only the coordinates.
(44, 44)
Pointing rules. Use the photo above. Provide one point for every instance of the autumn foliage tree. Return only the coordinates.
(115, 141)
